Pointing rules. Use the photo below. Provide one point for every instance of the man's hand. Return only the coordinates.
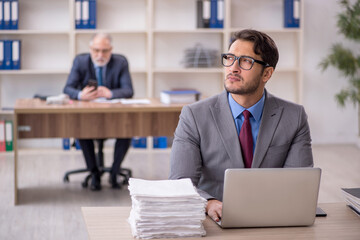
(88, 93)
(214, 209)
(103, 92)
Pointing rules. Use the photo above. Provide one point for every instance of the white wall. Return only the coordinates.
(328, 122)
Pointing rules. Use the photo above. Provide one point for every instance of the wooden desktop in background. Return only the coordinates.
(96, 120)
(33, 118)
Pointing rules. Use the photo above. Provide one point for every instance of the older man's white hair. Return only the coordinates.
(101, 35)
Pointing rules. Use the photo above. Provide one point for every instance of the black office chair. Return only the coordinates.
(123, 172)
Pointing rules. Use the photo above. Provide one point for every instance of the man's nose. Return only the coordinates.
(235, 67)
(101, 54)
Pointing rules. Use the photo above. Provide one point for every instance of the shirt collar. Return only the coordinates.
(255, 110)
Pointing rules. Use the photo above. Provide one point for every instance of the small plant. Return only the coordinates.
(344, 59)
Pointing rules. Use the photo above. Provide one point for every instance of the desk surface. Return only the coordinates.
(82, 119)
(38, 106)
(341, 223)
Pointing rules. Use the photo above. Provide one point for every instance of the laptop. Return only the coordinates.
(270, 197)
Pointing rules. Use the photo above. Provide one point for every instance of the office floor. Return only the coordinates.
(50, 209)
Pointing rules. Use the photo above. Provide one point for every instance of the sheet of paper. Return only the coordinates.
(123, 100)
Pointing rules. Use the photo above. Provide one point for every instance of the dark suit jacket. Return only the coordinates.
(206, 142)
(117, 78)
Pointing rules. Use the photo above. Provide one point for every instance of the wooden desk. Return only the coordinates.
(341, 223)
(33, 118)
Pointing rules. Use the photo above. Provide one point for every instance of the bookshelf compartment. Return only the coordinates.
(19, 86)
(121, 14)
(287, 44)
(46, 15)
(42, 51)
(245, 14)
(208, 84)
(170, 48)
(174, 14)
(139, 84)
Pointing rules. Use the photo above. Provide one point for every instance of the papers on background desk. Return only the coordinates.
(123, 101)
(166, 208)
(352, 198)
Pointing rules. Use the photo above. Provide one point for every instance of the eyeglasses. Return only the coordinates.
(245, 62)
(103, 51)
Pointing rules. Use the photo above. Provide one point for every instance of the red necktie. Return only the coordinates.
(246, 140)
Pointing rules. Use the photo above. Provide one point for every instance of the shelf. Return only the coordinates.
(109, 31)
(34, 71)
(30, 32)
(137, 70)
(188, 70)
(271, 30)
(7, 112)
(286, 69)
(52, 72)
(7, 154)
(182, 31)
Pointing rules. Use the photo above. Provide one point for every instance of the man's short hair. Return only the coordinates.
(263, 45)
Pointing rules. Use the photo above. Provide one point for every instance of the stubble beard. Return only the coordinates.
(248, 88)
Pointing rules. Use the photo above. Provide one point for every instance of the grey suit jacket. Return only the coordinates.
(117, 79)
(206, 142)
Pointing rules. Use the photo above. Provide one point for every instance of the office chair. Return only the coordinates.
(124, 172)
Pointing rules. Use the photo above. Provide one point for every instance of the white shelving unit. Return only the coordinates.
(153, 35)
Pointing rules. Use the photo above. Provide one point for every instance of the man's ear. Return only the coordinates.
(267, 74)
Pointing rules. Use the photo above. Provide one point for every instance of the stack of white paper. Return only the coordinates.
(166, 208)
(352, 198)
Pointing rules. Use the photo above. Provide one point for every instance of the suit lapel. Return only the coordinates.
(92, 69)
(108, 73)
(269, 121)
(224, 122)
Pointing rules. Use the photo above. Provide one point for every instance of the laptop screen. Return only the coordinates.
(265, 197)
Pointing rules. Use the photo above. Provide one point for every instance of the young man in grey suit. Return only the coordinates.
(244, 126)
(111, 71)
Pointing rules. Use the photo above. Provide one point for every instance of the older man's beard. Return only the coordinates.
(101, 62)
(245, 89)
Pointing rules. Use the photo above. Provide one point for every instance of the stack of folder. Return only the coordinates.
(9, 14)
(6, 136)
(179, 96)
(352, 198)
(10, 54)
(85, 14)
(210, 13)
(165, 209)
(291, 13)
(200, 57)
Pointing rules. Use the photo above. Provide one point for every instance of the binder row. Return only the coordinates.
(158, 142)
(6, 136)
(291, 13)
(66, 143)
(210, 13)
(9, 14)
(10, 54)
(85, 14)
